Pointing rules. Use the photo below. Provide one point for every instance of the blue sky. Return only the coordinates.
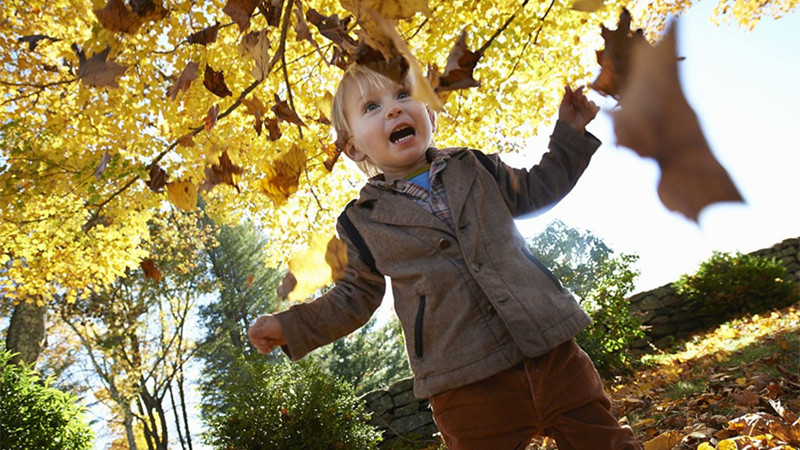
(745, 88)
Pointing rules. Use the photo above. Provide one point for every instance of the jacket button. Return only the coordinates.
(476, 266)
(444, 244)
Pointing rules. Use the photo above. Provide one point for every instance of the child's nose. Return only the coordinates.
(393, 110)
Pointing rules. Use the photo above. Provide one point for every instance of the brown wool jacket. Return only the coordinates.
(472, 302)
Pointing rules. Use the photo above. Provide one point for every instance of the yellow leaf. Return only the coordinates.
(183, 194)
(312, 269)
(664, 441)
(390, 9)
(705, 446)
(282, 176)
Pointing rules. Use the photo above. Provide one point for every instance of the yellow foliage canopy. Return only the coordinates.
(106, 104)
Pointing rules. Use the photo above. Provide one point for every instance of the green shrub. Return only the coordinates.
(269, 405)
(34, 415)
(613, 329)
(729, 284)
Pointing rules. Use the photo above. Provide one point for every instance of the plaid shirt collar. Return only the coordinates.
(435, 200)
(438, 160)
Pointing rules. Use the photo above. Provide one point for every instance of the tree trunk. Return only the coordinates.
(26, 332)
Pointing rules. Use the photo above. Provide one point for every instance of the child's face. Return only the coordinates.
(388, 126)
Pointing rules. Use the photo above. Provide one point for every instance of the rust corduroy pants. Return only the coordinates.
(558, 394)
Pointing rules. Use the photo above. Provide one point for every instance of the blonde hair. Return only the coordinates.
(360, 77)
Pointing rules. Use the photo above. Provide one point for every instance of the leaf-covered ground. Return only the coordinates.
(735, 387)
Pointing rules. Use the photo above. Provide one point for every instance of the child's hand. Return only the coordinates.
(576, 110)
(266, 334)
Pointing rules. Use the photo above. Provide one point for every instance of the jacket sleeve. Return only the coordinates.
(546, 183)
(338, 312)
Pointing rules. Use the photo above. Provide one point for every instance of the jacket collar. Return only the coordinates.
(389, 208)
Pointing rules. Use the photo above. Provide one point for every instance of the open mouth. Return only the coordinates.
(401, 134)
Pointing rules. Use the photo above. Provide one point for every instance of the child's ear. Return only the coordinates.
(432, 116)
(352, 152)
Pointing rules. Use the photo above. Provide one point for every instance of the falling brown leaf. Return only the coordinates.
(332, 153)
(301, 27)
(271, 10)
(615, 58)
(287, 285)
(221, 173)
(657, 122)
(148, 9)
(256, 44)
(98, 172)
(116, 16)
(150, 270)
(461, 63)
(282, 175)
(98, 72)
(205, 36)
(394, 68)
(423, 91)
(333, 28)
(211, 118)
(274, 129)
(257, 110)
(249, 281)
(376, 17)
(284, 112)
(215, 82)
(158, 178)
(240, 11)
(186, 140)
(33, 40)
(185, 80)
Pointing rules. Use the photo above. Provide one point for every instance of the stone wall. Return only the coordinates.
(666, 320)
(396, 411)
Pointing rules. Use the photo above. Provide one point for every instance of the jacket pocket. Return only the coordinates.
(543, 268)
(418, 323)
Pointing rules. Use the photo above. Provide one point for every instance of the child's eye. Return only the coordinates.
(403, 94)
(370, 106)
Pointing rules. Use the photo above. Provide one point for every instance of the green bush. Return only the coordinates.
(729, 284)
(269, 405)
(613, 328)
(34, 415)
